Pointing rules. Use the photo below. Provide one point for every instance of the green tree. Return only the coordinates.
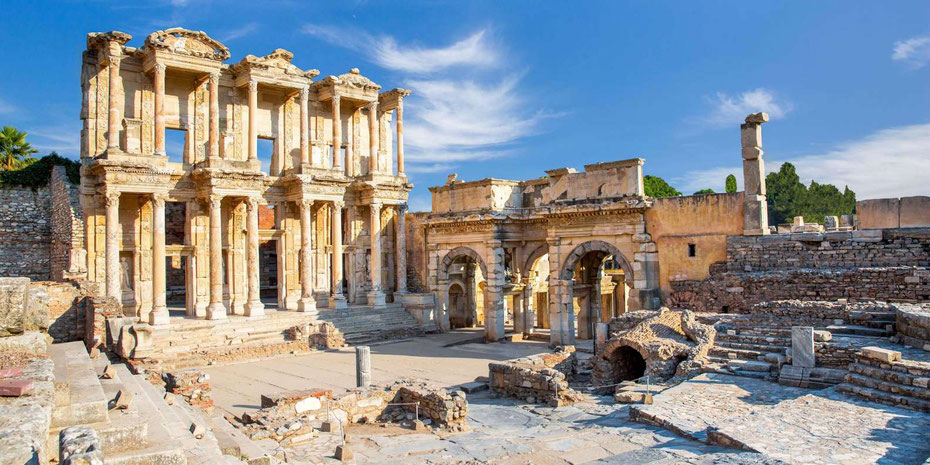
(788, 197)
(657, 187)
(36, 173)
(731, 184)
(705, 191)
(14, 150)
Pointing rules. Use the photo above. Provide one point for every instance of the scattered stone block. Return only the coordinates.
(198, 430)
(880, 354)
(122, 401)
(79, 445)
(822, 335)
(802, 346)
(327, 427)
(473, 387)
(13, 372)
(109, 372)
(169, 398)
(344, 453)
(15, 387)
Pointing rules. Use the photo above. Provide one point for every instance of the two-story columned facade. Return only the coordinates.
(222, 188)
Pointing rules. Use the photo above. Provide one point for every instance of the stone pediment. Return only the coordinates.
(186, 42)
(276, 62)
(353, 79)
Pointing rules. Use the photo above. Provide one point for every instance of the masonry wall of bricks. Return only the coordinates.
(539, 378)
(25, 232)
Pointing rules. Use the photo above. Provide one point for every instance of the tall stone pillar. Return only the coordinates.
(494, 310)
(307, 302)
(350, 148)
(304, 128)
(337, 299)
(400, 250)
(518, 316)
(529, 307)
(373, 137)
(159, 315)
(214, 115)
(254, 307)
(159, 86)
(114, 291)
(400, 137)
(755, 211)
(253, 123)
(216, 310)
(337, 134)
(113, 104)
(376, 295)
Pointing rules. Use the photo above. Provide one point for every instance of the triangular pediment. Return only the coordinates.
(186, 42)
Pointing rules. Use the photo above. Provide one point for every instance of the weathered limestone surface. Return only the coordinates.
(539, 378)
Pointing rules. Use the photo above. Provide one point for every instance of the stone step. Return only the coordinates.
(234, 442)
(753, 339)
(727, 345)
(905, 365)
(856, 330)
(900, 389)
(893, 376)
(743, 354)
(883, 397)
(80, 399)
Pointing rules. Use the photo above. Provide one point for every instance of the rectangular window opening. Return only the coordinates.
(692, 250)
(265, 153)
(175, 144)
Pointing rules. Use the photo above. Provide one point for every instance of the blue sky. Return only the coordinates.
(508, 89)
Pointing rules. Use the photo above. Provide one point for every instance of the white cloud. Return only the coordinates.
(386, 52)
(420, 203)
(240, 32)
(891, 162)
(914, 51)
(458, 110)
(64, 139)
(727, 110)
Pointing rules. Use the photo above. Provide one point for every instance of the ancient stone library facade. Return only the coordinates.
(318, 216)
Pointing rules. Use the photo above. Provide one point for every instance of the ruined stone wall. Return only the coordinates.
(886, 265)
(25, 232)
(906, 212)
(913, 325)
(539, 378)
(68, 257)
(417, 254)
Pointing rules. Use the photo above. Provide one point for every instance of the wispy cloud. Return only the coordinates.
(915, 52)
(728, 110)
(474, 50)
(239, 32)
(890, 162)
(462, 108)
(6, 107)
(64, 139)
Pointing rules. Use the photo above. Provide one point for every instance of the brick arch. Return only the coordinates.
(538, 252)
(568, 266)
(459, 252)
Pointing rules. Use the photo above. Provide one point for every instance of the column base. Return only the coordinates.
(200, 310)
(238, 308)
(377, 299)
(159, 316)
(307, 305)
(290, 303)
(216, 311)
(254, 309)
(337, 301)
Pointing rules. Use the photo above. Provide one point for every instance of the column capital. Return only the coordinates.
(111, 198)
(160, 68)
(336, 99)
(253, 86)
(401, 208)
(214, 78)
(215, 200)
(159, 199)
(376, 205)
(252, 202)
(306, 203)
(304, 94)
(340, 204)
(373, 107)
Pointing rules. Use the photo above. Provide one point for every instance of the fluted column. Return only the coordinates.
(304, 128)
(215, 115)
(349, 139)
(307, 302)
(113, 120)
(376, 295)
(216, 310)
(373, 137)
(400, 137)
(253, 116)
(337, 134)
(159, 108)
(254, 307)
(114, 291)
(159, 315)
(337, 299)
(400, 252)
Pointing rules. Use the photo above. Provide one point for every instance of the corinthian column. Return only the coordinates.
(304, 128)
(400, 250)
(113, 121)
(160, 108)
(215, 115)
(373, 137)
(376, 295)
(159, 315)
(400, 138)
(216, 310)
(337, 134)
(114, 291)
(253, 116)
(254, 307)
(337, 299)
(307, 302)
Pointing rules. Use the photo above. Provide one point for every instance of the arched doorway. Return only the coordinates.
(459, 313)
(628, 364)
(466, 273)
(536, 293)
(596, 277)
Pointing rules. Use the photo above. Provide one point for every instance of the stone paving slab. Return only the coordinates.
(792, 425)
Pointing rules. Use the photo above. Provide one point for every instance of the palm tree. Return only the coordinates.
(14, 150)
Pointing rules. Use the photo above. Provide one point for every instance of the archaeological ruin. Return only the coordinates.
(240, 230)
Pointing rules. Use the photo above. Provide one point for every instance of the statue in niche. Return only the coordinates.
(125, 281)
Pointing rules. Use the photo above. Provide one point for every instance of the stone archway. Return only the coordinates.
(447, 294)
(589, 255)
(456, 253)
(532, 312)
(459, 312)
